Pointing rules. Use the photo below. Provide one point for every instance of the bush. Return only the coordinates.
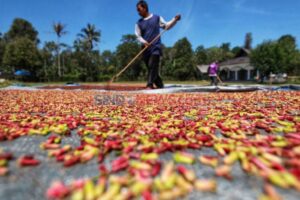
(294, 79)
(70, 77)
(4, 83)
(104, 77)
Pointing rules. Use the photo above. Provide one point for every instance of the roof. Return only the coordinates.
(202, 68)
(234, 61)
(243, 52)
(242, 59)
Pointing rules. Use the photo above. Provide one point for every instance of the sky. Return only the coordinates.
(204, 22)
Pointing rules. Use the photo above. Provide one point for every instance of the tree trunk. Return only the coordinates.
(58, 58)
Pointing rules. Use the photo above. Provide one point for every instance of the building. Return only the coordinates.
(236, 69)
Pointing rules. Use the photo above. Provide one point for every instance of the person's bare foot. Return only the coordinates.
(149, 87)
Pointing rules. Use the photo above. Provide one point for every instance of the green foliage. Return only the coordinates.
(225, 47)
(235, 50)
(296, 69)
(104, 77)
(59, 30)
(108, 63)
(90, 36)
(50, 72)
(58, 62)
(21, 28)
(200, 55)
(71, 77)
(2, 48)
(18, 48)
(226, 53)
(213, 54)
(263, 57)
(48, 55)
(87, 64)
(5, 84)
(279, 56)
(167, 62)
(83, 64)
(184, 66)
(22, 53)
(209, 55)
(125, 52)
(107, 58)
(286, 53)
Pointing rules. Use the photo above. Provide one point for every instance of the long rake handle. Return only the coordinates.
(117, 75)
(220, 80)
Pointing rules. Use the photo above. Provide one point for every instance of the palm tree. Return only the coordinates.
(90, 35)
(59, 30)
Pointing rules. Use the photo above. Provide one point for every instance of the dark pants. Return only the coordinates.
(152, 63)
(213, 80)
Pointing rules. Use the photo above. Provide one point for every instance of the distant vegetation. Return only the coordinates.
(20, 48)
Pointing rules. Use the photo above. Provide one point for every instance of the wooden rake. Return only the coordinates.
(123, 70)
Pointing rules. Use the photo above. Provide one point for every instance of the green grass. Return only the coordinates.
(294, 80)
(5, 84)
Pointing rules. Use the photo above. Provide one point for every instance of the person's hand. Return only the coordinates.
(147, 44)
(177, 17)
(174, 20)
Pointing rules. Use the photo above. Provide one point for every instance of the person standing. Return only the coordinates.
(146, 29)
(213, 73)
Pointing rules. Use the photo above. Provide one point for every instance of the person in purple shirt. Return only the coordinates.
(146, 29)
(213, 72)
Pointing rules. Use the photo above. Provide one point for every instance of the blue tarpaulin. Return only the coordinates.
(22, 72)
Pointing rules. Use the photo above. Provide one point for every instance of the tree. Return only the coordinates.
(22, 53)
(286, 52)
(126, 51)
(200, 55)
(2, 48)
(71, 71)
(264, 58)
(276, 56)
(90, 36)
(184, 66)
(167, 62)
(213, 54)
(21, 28)
(48, 53)
(207, 56)
(108, 64)
(86, 65)
(296, 70)
(226, 53)
(225, 47)
(235, 50)
(248, 41)
(84, 58)
(59, 30)
(108, 58)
